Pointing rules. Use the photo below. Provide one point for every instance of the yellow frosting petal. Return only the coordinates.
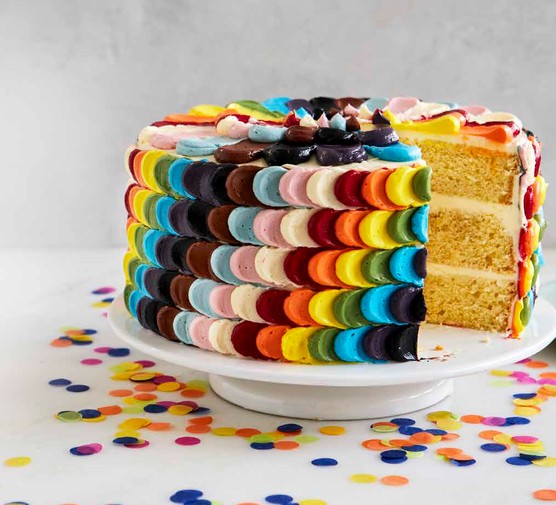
(139, 205)
(147, 169)
(348, 268)
(131, 232)
(399, 186)
(205, 110)
(373, 230)
(321, 308)
(295, 345)
(443, 125)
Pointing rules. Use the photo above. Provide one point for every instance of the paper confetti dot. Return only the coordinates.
(363, 478)
(403, 421)
(545, 494)
(471, 419)
(77, 388)
(516, 461)
(493, 447)
(86, 450)
(289, 428)
(332, 430)
(68, 415)
(187, 441)
(91, 361)
(262, 446)
(224, 431)
(324, 462)
(185, 495)
(394, 480)
(286, 445)
(279, 498)
(103, 290)
(312, 502)
(18, 461)
(118, 352)
(59, 382)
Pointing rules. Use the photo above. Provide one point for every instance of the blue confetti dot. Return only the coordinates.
(525, 396)
(409, 430)
(282, 499)
(403, 421)
(415, 448)
(80, 342)
(200, 410)
(185, 495)
(75, 452)
(197, 502)
(532, 457)
(125, 440)
(118, 352)
(154, 408)
(466, 462)
(89, 331)
(517, 420)
(77, 388)
(434, 431)
(107, 300)
(392, 454)
(493, 447)
(90, 413)
(324, 462)
(289, 428)
(59, 382)
(518, 461)
(262, 446)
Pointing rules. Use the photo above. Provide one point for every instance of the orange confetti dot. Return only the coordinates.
(450, 436)
(536, 364)
(394, 480)
(145, 397)
(201, 420)
(285, 445)
(169, 386)
(449, 451)
(400, 442)
(247, 432)
(158, 426)
(489, 434)
(423, 438)
(373, 444)
(471, 419)
(197, 428)
(120, 392)
(110, 410)
(545, 494)
(145, 387)
(548, 375)
(192, 393)
(60, 343)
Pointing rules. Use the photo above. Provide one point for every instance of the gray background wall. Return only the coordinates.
(79, 79)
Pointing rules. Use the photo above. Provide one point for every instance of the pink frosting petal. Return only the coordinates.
(401, 104)
(199, 331)
(266, 227)
(293, 186)
(220, 300)
(475, 110)
(242, 264)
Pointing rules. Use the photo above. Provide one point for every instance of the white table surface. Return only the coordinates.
(45, 290)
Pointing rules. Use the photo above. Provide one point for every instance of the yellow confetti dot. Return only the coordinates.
(143, 376)
(169, 386)
(545, 462)
(527, 402)
(134, 423)
(122, 376)
(179, 410)
(127, 433)
(440, 414)
(98, 419)
(500, 373)
(312, 502)
(130, 400)
(225, 431)
(502, 438)
(527, 411)
(18, 461)
(198, 384)
(126, 366)
(332, 430)
(363, 478)
(449, 424)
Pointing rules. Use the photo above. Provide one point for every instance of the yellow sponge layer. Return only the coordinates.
(477, 241)
(469, 172)
(461, 300)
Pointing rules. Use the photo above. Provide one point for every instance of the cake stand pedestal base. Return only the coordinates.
(329, 403)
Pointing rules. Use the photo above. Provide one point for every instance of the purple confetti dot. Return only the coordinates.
(493, 421)
(187, 441)
(102, 350)
(104, 290)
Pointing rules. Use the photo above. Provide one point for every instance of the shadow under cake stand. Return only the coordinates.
(348, 391)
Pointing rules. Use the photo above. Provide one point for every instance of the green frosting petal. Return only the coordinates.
(256, 106)
(139, 236)
(536, 268)
(321, 344)
(149, 209)
(127, 292)
(527, 309)
(422, 184)
(347, 308)
(376, 267)
(399, 226)
(542, 225)
(132, 267)
(161, 171)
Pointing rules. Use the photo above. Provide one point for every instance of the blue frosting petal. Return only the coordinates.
(301, 112)
(199, 294)
(348, 345)
(197, 146)
(375, 304)
(377, 102)
(220, 264)
(265, 186)
(134, 298)
(401, 265)
(139, 279)
(277, 104)
(175, 177)
(264, 133)
(396, 152)
(420, 223)
(149, 244)
(162, 210)
(240, 224)
(338, 121)
(181, 326)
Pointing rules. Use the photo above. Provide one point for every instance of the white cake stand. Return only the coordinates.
(350, 391)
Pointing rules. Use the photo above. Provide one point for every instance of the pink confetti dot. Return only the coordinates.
(91, 361)
(146, 363)
(104, 290)
(187, 441)
(145, 443)
(493, 421)
(102, 350)
(524, 439)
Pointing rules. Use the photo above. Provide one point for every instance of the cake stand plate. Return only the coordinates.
(349, 391)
